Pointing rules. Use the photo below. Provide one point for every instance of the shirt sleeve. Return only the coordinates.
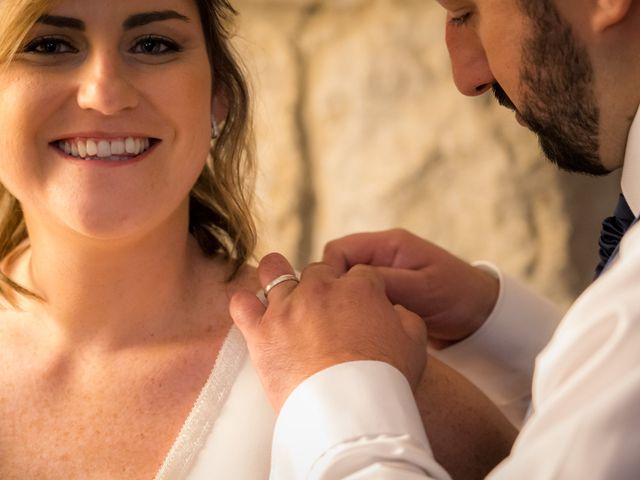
(500, 357)
(586, 389)
(356, 420)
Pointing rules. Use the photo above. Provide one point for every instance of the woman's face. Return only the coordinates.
(105, 115)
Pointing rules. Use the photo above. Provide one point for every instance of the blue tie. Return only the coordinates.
(613, 228)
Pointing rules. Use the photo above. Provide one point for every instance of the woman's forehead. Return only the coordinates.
(114, 8)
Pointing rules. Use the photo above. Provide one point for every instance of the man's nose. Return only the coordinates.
(105, 85)
(471, 72)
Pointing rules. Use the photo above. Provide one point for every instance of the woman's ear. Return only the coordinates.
(219, 106)
(609, 13)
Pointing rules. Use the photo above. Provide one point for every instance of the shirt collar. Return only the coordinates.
(631, 169)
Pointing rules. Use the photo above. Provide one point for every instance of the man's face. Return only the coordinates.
(528, 55)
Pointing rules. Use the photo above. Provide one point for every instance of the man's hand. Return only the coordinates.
(452, 297)
(324, 320)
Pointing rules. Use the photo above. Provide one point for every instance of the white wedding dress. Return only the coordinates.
(228, 432)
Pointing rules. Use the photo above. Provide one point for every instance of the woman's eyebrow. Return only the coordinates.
(64, 22)
(141, 19)
(133, 21)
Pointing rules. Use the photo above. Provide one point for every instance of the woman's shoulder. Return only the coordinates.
(219, 271)
(214, 284)
(246, 278)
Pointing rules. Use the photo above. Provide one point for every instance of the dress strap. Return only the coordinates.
(206, 409)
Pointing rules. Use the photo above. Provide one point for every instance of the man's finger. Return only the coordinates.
(393, 248)
(351, 250)
(382, 249)
(319, 271)
(271, 272)
(406, 287)
(370, 273)
(246, 311)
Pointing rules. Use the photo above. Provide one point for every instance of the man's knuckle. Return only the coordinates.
(360, 270)
(366, 277)
(330, 246)
(399, 234)
(316, 291)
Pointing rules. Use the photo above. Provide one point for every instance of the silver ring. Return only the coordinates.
(262, 297)
(289, 277)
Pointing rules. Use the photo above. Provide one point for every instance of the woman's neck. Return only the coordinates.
(112, 292)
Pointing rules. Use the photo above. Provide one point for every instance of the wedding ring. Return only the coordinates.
(289, 277)
(262, 297)
(262, 293)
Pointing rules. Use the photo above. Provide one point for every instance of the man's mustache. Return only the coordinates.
(502, 97)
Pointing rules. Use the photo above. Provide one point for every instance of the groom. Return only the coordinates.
(339, 351)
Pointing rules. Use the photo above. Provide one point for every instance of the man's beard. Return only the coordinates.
(559, 104)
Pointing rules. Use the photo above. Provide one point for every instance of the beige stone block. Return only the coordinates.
(264, 44)
(360, 127)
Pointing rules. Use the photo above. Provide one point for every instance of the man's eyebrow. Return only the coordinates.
(64, 22)
(141, 19)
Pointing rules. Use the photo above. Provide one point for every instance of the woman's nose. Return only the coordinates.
(105, 86)
(471, 72)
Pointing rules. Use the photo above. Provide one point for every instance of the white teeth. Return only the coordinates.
(92, 148)
(117, 147)
(130, 145)
(104, 149)
(82, 148)
(121, 148)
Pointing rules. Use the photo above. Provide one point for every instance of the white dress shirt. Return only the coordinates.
(358, 420)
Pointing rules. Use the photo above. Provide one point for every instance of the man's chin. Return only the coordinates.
(573, 161)
(521, 120)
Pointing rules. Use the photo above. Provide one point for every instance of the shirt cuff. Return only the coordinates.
(345, 404)
(500, 357)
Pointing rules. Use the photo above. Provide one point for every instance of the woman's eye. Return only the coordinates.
(49, 46)
(459, 20)
(155, 46)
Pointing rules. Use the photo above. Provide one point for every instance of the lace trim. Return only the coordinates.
(206, 409)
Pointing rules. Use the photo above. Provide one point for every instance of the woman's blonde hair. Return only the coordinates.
(220, 202)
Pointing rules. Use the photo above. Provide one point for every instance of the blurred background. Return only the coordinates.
(360, 128)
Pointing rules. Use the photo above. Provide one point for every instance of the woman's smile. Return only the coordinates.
(114, 150)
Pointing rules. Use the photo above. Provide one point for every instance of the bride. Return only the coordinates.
(123, 234)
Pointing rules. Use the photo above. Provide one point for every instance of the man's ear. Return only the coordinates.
(609, 13)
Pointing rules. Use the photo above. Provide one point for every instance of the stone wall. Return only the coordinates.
(360, 128)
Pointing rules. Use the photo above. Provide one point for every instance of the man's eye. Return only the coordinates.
(155, 46)
(459, 20)
(49, 46)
